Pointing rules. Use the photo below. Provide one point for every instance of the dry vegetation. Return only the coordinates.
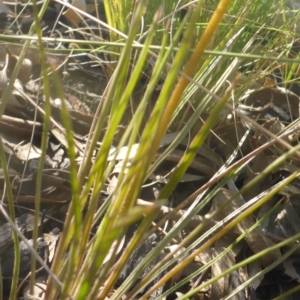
(149, 151)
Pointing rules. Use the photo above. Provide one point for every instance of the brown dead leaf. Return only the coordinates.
(231, 135)
(201, 165)
(291, 266)
(25, 70)
(255, 239)
(54, 189)
(227, 240)
(285, 220)
(72, 15)
(225, 285)
(15, 99)
(15, 127)
(274, 126)
(252, 270)
(51, 239)
(257, 165)
(177, 251)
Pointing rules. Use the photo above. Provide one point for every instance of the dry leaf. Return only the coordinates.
(15, 98)
(28, 151)
(51, 239)
(25, 71)
(255, 239)
(72, 15)
(4, 8)
(39, 289)
(224, 285)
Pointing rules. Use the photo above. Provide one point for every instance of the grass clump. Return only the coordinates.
(186, 161)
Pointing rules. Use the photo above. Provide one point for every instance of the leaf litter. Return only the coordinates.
(273, 107)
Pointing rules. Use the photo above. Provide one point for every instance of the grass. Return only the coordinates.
(194, 62)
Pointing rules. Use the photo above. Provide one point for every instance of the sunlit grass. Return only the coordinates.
(195, 58)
